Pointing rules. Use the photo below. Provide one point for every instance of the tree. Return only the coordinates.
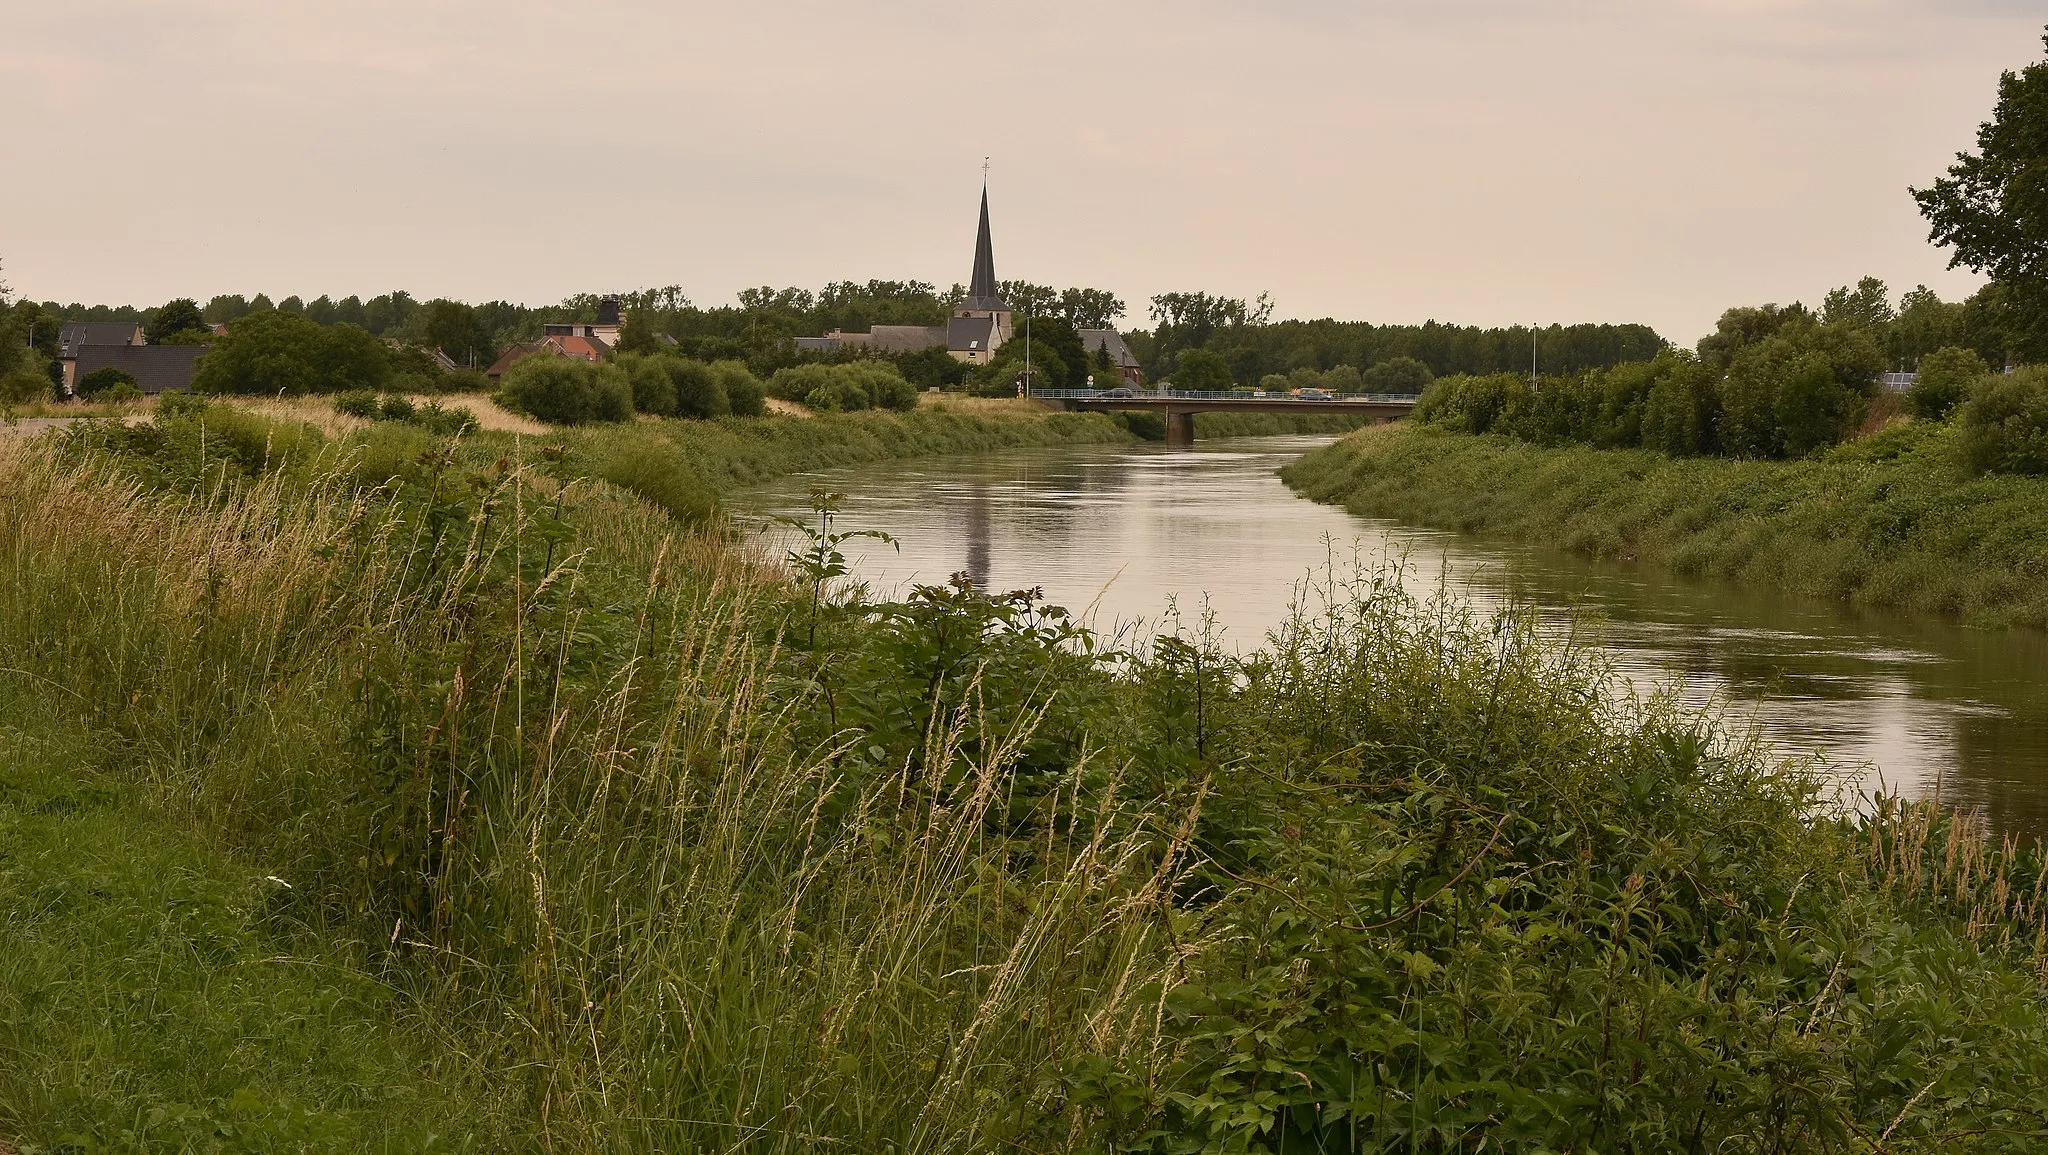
(1201, 371)
(1992, 207)
(2004, 424)
(1945, 379)
(1867, 306)
(1398, 375)
(636, 334)
(179, 316)
(276, 352)
(654, 391)
(456, 330)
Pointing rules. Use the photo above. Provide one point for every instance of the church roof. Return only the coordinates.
(982, 292)
(971, 334)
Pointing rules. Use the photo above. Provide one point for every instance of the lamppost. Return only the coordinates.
(1027, 356)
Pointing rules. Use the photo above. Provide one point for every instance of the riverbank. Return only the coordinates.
(654, 849)
(1886, 521)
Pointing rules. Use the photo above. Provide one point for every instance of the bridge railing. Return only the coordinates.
(1217, 395)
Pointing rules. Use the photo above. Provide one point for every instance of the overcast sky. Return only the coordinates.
(1475, 161)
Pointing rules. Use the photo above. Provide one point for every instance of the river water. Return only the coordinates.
(1130, 534)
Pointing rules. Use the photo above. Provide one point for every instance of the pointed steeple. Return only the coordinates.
(983, 294)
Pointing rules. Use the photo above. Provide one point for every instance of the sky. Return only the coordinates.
(1470, 161)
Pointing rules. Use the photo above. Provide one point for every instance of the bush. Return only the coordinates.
(442, 422)
(359, 403)
(119, 392)
(845, 388)
(699, 389)
(798, 381)
(94, 383)
(465, 381)
(656, 470)
(743, 390)
(2004, 424)
(653, 391)
(564, 391)
(1680, 411)
(286, 353)
(1945, 379)
(395, 407)
(174, 403)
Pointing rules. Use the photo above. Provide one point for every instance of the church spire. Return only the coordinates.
(983, 294)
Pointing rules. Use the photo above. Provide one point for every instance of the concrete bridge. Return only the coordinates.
(1180, 406)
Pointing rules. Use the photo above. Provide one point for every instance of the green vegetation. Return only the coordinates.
(280, 353)
(1992, 211)
(1888, 520)
(845, 388)
(95, 383)
(649, 848)
(568, 391)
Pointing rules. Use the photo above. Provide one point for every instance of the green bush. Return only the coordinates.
(655, 469)
(359, 403)
(566, 391)
(1680, 412)
(653, 390)
(2004, 424)
(845, 388)
(743, 391)
(699, 389)
(273, 353)
(94, 383)
(1945, 379)
(395, 407)
(119, 392)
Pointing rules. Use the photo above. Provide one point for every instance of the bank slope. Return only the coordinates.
(1886, 521)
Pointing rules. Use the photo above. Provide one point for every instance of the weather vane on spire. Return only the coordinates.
(984, 170)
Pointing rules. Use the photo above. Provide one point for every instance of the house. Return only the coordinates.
(155, 368)
(76, 335)
(1112, 342)
(977, 328)
(573, 346)
(578, 340)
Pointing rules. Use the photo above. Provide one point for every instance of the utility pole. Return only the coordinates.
(1027, 355)
(1532, 355)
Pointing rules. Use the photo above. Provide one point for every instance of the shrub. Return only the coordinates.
(99, 380)
(286, 353)
(118, 392)
(1945, 379)
(395, 407)
(359, 403)
(653, 391)
(743, 390)
(838, 396)
(174, 403)
(656, 470)
(797, 382)
(564, 391)
(2004, 424)
(1812, 409)
(1474, 404)
(453, 422)
(884, 385)
(465, 381)
(1680, 411)
(699, 389)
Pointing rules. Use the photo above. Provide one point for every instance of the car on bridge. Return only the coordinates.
(1314, 395)
(1121, 392)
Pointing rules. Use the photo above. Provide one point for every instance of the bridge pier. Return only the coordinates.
(1180, 429)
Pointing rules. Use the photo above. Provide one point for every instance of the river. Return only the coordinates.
(1131, 533)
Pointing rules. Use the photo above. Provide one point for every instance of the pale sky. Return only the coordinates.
(1472, 161)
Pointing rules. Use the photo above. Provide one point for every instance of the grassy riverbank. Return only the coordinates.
(484, 790)
(1884, 521)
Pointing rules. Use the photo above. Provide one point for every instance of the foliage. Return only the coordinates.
(281, 353)
(568, 391)
(175, 318)
(1397, 375)
(2003, 427)
(743, 391)
(846, 387)
(1884, 521)
(1992, 207)
(92, 383)
(459, 332)
(1202, 371)
(1946, 376)
(118, 392)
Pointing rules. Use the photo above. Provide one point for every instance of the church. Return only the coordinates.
(979, 326)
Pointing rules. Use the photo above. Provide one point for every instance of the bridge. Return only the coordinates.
(1180, 405)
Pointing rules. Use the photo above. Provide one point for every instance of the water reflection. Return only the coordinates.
(1130, 534)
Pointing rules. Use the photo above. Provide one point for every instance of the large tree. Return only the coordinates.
(175, 317)
(1992, 208)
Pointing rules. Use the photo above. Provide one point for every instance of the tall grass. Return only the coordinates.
(675, 870)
